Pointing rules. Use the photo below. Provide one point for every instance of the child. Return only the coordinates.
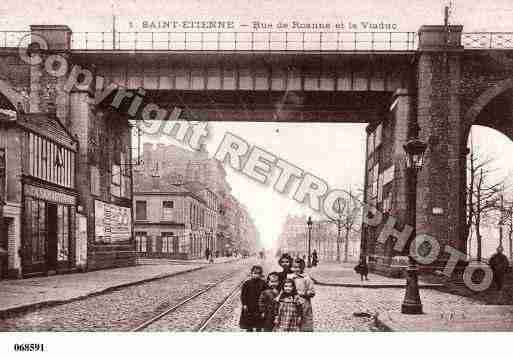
(267, 304)
(251, 289)
(285, 261)
(290, 309)
(305, 289)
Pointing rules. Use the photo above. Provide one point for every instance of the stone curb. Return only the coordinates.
(373, 286)
(4, 313)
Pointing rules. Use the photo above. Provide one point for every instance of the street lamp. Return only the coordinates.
(309, 224)
(415, 150)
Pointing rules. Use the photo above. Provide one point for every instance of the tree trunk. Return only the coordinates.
(479, 242)
(346, 246)
(338, 242)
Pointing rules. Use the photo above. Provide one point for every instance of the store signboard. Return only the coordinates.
(112, 223)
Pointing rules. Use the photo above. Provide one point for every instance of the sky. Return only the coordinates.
(334, 152)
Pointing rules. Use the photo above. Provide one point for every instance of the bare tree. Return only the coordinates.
(347, 219)
(483, 196)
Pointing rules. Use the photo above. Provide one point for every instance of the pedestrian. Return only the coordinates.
(305, 289)
(267, 303)
(362, 269)
(284, 262)
(290, 309)
(207, 253)
(315, 259)
(500, 265)
(250, 317)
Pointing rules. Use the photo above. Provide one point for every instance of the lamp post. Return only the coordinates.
(309, 223)
(414, 149)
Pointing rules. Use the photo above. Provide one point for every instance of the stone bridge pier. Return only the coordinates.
(455, 89)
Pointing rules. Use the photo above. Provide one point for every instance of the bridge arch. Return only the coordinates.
(493, 108)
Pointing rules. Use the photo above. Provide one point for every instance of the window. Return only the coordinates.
(168, 242)
(36, 214)
(140, 210)
(167, 209)
(62, 233)
(116, 180)
(140, 242)
(95, 181)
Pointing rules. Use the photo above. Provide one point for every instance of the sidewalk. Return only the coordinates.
(23, 294)
(219, 260)
(475, 318)
(343, 275)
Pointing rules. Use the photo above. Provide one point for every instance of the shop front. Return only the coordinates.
(48, 231)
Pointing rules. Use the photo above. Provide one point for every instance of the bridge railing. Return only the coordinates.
(247, 41)
(259, 41)
(13, 38)
(487, 40)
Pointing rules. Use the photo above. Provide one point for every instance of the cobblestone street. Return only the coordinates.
(334, 307)
(209, 298)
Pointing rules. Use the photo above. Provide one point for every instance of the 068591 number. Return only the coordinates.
(29, 347)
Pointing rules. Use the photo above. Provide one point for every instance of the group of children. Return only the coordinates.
(282, 303)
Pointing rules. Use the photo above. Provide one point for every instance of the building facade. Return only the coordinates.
(173, 220)
(41, 199)
(229, 228)
(385, 189)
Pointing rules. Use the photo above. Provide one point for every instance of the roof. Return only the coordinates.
(145, 184)
(44, 124)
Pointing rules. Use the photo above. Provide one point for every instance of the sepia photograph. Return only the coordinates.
(318, 168)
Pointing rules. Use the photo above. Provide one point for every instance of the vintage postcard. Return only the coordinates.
(255, 166)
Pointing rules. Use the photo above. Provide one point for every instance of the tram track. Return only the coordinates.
(176, 307)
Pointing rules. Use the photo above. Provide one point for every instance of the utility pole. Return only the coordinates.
(113, 28)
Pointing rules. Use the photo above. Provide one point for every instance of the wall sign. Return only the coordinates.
(112, 223)
(49, 195)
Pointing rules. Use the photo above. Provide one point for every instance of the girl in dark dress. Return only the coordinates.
(250, 317)
(285, 262)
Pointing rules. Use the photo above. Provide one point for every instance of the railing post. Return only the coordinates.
(218, 40)
(286, 40)
(103, 40)
(135, 40)
(303, 40)
(152, 41)
(252, 41)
